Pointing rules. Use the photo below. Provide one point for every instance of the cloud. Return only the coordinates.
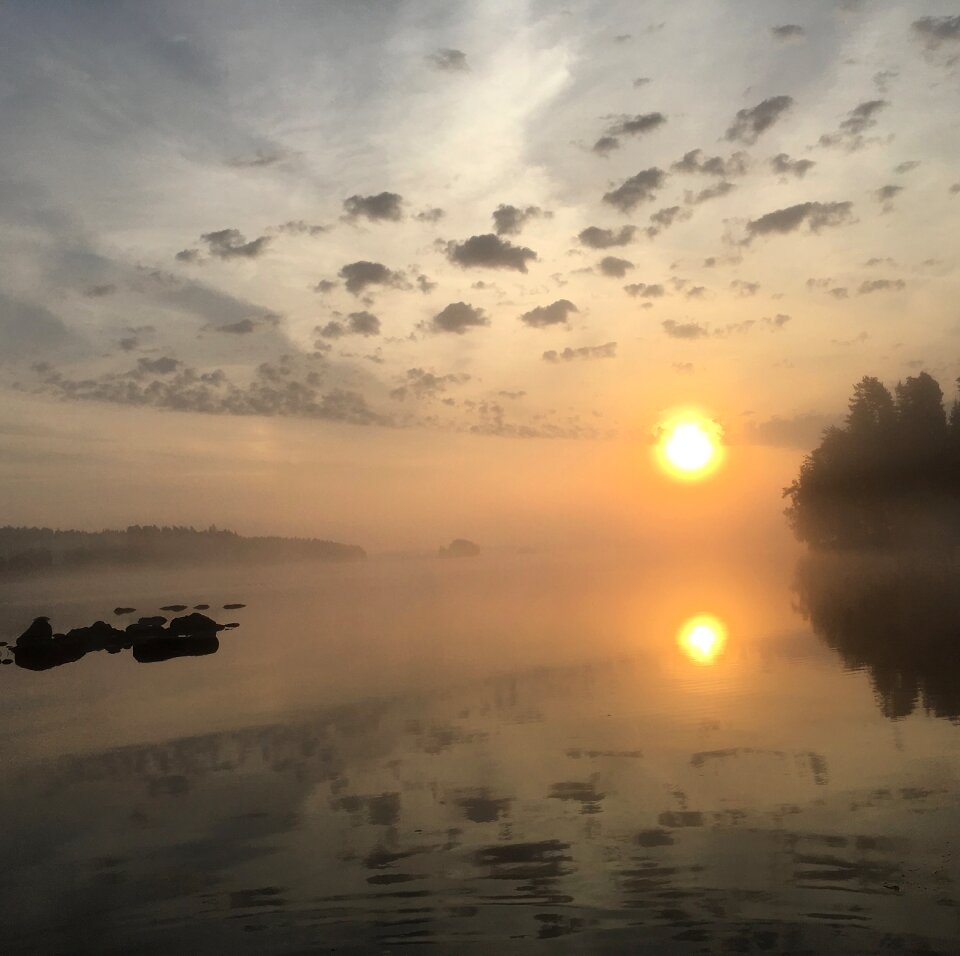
(750, 123)
(641, 81)
(745, 289)
(907, 166)
(695, 161)
(325, 285)
(606, 145)
(158, 366)
(788, 32)
(684, 330)
(260, 159)
(777, 321)
(509, 220)
(188, 255)
(639, 188)
(802, 431)
(614, 267)
(357, 323)
(881, 285)
(99, 291)
(849, 135)
(644, 291)
(430, 215)
(231, 244)
(300, 227)
(544, 316)
(816, 215)
(491, 252)
(458, 318)
(637, 125)
(886, 194)
(28, 330)
(278, 389)
(608, 350)
(425, 285)
(242, 327)
(785, 166)
(935, 31)
(664, 218)
(596, 238)
(422, 384)
(379, 208)
(449, 61)
(711, 192)
(358, 275)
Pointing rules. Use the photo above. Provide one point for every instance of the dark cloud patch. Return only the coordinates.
(906, 167)
(886, 194)
(815, 215)
(785, 166)
(545, 316)
(777, 321)
(300, 227)
(881, 285)
(637, 125)
(422, 384)
(278, 389)
(159, 366)
(382, 207)
(425, 285)
(641, 81)
(745, 289)
(100, 291)
(606, 145)
(802, 431)
(644, 290)
(358, 276)
(684, 330)
(490, 252)
(695, 161)
(665, 218)
(637, 189)
(788, 32)
(242, 327)
(596, 238)
(936, 31)
(430, 215)
(510, 220)
(954, 189)
(232, 244)
(457, 318)
(356, 323)
(849, 135)
(614, 267)
(711, 192)
(607, 350)
(188, 255)
(259, 160)
(750, 123)
(449, 60)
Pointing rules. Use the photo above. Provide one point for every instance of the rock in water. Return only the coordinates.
(193, 624)
(39, 632)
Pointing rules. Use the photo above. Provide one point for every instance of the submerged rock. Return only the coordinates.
(174, 607)
(120, 611)
(233, 607)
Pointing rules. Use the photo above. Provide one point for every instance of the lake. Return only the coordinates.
(509, 753)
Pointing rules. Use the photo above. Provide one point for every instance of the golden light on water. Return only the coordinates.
(702, 638)
(689, 446)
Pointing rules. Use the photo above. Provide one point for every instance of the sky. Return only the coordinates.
(395, 272)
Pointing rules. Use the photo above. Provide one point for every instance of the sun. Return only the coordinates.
(702, 638)
(689, 446)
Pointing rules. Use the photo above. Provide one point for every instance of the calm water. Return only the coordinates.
(490, 755)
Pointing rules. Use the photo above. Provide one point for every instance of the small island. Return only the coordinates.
(460, 548)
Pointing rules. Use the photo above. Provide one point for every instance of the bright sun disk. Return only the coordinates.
(689, 446)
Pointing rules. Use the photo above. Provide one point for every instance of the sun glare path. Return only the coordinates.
(689, 446)
(702, 638)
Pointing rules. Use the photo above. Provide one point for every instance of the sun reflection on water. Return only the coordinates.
(702, 638)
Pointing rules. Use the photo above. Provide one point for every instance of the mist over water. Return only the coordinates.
(484, 752)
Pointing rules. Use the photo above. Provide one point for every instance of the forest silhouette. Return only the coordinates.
(888, 477)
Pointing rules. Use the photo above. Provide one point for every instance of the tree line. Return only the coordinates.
(889, 476)
(24, 550)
